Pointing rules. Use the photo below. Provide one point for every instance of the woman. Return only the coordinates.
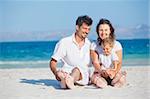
(101, 77)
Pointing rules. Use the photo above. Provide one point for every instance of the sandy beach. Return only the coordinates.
(40, 83)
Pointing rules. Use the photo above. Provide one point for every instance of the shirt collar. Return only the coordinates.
(74, 40)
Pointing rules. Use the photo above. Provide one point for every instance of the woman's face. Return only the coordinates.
(104, 31)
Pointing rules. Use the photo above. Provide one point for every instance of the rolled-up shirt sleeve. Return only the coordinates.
(93, 46)
(59, 51)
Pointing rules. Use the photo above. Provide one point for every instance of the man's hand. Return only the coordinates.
(60, 75)
(57, 76)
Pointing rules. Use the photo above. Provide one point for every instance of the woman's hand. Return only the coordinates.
(104, 74)
(111, 73)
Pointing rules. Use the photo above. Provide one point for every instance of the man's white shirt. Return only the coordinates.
(71, 54)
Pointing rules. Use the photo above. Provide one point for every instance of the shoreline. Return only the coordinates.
(44, 66)
(40, 83)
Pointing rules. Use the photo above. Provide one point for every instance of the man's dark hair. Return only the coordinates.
(84, 19)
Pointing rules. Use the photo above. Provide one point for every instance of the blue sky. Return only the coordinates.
(33, 20)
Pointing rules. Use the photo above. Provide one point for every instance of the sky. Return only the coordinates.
(47, 20)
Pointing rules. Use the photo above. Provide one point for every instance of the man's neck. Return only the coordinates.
(78, 39)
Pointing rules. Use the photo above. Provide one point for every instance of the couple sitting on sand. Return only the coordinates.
(76, 53)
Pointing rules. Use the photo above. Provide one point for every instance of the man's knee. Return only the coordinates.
(76, 69)
(76, 73)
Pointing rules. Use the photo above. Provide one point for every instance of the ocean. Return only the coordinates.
(136, 52)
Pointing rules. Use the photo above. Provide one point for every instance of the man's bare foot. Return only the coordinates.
(63, 84)
(69, 82)
(62, 75)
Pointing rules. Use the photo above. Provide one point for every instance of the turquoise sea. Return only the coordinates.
(136, 52)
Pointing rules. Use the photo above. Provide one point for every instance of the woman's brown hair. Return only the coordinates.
(105, 21)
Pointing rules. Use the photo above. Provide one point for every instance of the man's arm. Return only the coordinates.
(53, 65)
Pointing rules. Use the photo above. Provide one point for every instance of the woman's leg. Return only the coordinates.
(99, 81)
(122, 80)
(116, 79)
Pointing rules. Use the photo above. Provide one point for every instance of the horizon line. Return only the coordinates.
(59, 39)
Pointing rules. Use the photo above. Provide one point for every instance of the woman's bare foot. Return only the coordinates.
(118, 78)
(100, 82)
(121, 82)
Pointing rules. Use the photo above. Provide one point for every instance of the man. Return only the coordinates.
(74, 51)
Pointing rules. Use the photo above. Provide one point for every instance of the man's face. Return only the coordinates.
(83, 30)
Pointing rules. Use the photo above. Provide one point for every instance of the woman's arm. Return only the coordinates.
(113, 71)
(117, 64)
(95, 60)
(119, 54)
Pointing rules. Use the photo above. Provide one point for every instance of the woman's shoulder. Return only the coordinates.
(117, 45)
(117, 41)
(94, 45)
(94, 42)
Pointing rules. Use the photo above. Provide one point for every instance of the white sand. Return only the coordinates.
(40, 83)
